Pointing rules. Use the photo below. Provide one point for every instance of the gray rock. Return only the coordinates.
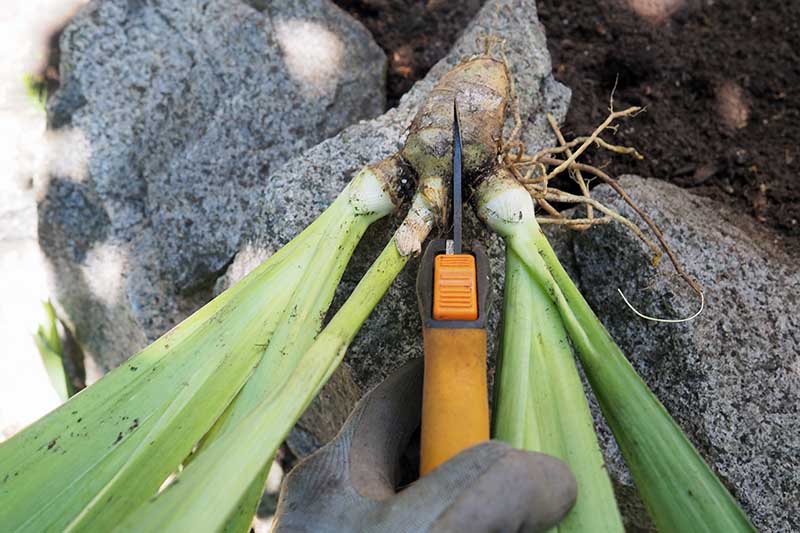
(183, 109)
(306, 185)
(730, 377)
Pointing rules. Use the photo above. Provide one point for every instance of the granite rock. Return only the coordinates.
(174, 114)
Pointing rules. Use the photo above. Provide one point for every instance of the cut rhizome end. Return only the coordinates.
(480, 87)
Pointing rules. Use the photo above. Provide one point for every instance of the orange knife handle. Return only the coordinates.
(455, 405)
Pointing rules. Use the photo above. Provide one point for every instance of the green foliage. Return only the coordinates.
(679, 489)
(36, 89)
(48, 343)
(96, 459)
(540, 403)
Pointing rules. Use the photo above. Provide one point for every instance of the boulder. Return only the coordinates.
(174, 115)
(731, 376)
(301, 189)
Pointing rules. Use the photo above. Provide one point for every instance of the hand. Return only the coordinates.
(350, 484)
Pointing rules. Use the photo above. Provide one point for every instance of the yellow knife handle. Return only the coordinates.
(455, 405)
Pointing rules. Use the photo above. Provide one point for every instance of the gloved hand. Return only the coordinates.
(350, 484)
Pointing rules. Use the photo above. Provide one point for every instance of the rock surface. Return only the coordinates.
(730, 377)
(306, 185)
(175, 114)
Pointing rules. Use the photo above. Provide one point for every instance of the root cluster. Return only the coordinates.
(535, 172)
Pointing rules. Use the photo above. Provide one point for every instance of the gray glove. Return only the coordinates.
(350, 484)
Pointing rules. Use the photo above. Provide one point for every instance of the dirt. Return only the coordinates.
(415, 34)
(721, 84)
(720, 80)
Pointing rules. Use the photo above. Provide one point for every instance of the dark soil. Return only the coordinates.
(720, 81)
(415, 34)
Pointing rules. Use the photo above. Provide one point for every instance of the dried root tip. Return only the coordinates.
(427, 209)
(415, 228)
(377, 188)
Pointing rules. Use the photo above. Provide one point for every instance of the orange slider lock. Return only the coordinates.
(453, 290)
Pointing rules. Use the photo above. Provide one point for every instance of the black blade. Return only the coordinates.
(456, 180)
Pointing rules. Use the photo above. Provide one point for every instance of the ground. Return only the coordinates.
(414, 34)
(720, 80)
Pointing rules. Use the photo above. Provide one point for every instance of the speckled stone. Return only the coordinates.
(177, 112)
(730, 377)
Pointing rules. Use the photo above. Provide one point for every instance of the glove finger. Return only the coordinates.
(489, 487)
(380, 427)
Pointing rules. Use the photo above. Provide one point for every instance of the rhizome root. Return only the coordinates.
(536, 171)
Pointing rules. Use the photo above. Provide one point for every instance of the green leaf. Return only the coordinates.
(36, 90)
(679, 489)
(48, 342)
(209, 489)
(540, 402)
(97, 457)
